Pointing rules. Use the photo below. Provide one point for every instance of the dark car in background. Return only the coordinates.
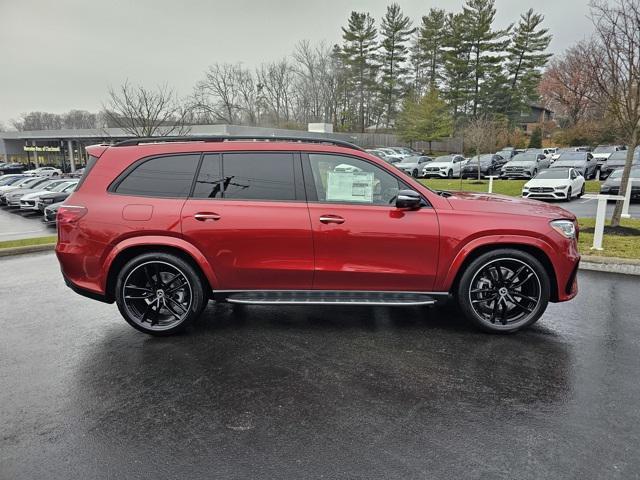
(611, 185)
(55, 197)
(7, 168)
(583, 162)
(490, 164)
(617, 160)
(50, 213)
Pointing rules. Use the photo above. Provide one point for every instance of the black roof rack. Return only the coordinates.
(230, 138)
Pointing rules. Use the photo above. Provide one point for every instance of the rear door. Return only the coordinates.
(362, 241)
(248, 215)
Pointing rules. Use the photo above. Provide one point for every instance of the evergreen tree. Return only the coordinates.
(359, 56)
(457, 68)
(526, 57)
(426, 119)
(486, 46)
(536, 138)
(428, 50)
(395, 31)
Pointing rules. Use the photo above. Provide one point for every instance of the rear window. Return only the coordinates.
(91, 161)
(169, 176)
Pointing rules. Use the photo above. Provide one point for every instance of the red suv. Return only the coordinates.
(162, 226)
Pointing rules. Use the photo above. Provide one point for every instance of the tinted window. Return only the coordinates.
(258, 176)
(343, 179)
(209, 183)
(168, 176)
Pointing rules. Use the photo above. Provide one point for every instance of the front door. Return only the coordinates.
(362, 241)
(248, 216)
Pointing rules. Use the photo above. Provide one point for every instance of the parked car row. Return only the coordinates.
(36, 194)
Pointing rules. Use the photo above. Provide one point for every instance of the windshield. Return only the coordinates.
(444, 158)
(411, 159)
(635, 173)
(483, 159)
(604, 149)
(525, 157)
(553, 174)
(10, 180)
(573, 156)
(58, 187)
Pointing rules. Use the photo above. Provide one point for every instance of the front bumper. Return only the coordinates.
(29, 205)
(433, 173)
(545, 193)
(516, 174)
(635, 192)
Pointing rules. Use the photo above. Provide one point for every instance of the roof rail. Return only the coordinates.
(230, 138)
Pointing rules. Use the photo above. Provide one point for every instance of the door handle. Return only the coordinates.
(331, 219)
(204, 216)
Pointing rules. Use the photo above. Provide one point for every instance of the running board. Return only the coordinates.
(318, 297)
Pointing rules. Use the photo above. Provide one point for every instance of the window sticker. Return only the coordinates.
(350, 187)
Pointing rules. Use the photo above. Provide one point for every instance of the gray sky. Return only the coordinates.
(59, 55)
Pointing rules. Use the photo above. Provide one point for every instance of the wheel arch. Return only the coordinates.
(130, 248)
(466, 256)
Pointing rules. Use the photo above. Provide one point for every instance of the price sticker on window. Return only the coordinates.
(350, 187)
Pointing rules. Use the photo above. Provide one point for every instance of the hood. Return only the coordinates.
(438, 164)
(35, 194)
(519, 163)
(407, 165)
(547, 182)
(19, 191)
(493, 203)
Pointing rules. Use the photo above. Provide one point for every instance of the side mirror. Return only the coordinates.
(408, 200)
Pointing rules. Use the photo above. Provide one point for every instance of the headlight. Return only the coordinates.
(563, 187)
(564, 227)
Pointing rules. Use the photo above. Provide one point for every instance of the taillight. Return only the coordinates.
(70, 214)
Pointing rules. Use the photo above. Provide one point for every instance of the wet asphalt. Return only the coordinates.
(296, 392)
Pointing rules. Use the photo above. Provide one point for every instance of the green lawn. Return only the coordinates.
(29, 241)
(505, 187)
(622, 246)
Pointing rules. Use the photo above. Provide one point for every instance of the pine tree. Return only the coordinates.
(428, 50)
(525, 59)
(457, 68)
(486, 46)
(359, 54)
(426, 119)
(536, 138)
(395, 31)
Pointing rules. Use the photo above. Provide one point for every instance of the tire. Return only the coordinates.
(55, 174)
(160, 309)
(414, 174)
(582, 190)
(569, 193)
(481, 278)
(450, 174)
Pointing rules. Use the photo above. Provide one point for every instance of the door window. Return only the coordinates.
(342, 179)
(247, 176)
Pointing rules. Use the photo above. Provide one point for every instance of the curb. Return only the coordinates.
(7, 252)
(626, 266)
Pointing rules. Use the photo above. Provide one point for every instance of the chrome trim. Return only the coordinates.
(253, 290)
(318, 302)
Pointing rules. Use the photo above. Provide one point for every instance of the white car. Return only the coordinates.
(445, 166)
(555, 184)
(30, 200)
(44, 172)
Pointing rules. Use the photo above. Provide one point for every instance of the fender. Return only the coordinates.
(494, 241)
(160, 240)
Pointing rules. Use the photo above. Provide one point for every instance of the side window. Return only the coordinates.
(343, 179)
(258, 176)
(168, 176)
(209, 183)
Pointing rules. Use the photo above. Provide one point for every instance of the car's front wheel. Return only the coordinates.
(569, 195)
(414, 174)
(450, 174)
(504, 290)
(159, 293)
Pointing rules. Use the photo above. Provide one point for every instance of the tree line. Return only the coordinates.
(380, 71)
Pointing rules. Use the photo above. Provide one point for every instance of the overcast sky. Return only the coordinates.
(58, 55)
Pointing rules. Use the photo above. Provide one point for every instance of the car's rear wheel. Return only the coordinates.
(581, 191)
(159, 293)
(504, 290)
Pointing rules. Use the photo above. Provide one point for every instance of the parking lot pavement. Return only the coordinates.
(16, 225)
(261, 392)
(586, 207)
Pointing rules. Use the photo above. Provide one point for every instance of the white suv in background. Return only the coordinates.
(445, 166)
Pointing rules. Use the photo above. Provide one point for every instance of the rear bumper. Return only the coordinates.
(86, 292)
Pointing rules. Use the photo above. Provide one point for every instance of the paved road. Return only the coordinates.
(586, 207)
(259, 392)
(16, 225)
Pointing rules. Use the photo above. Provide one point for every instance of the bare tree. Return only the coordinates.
(480, 134)
(614, 59)
(219, 94)
(38, 121)
(79, 119)
(568, 88)
(276, 82)
(146, 113)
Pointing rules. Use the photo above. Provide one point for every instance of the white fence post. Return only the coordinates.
(491, 177)
(601, 214)
(627, 199)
